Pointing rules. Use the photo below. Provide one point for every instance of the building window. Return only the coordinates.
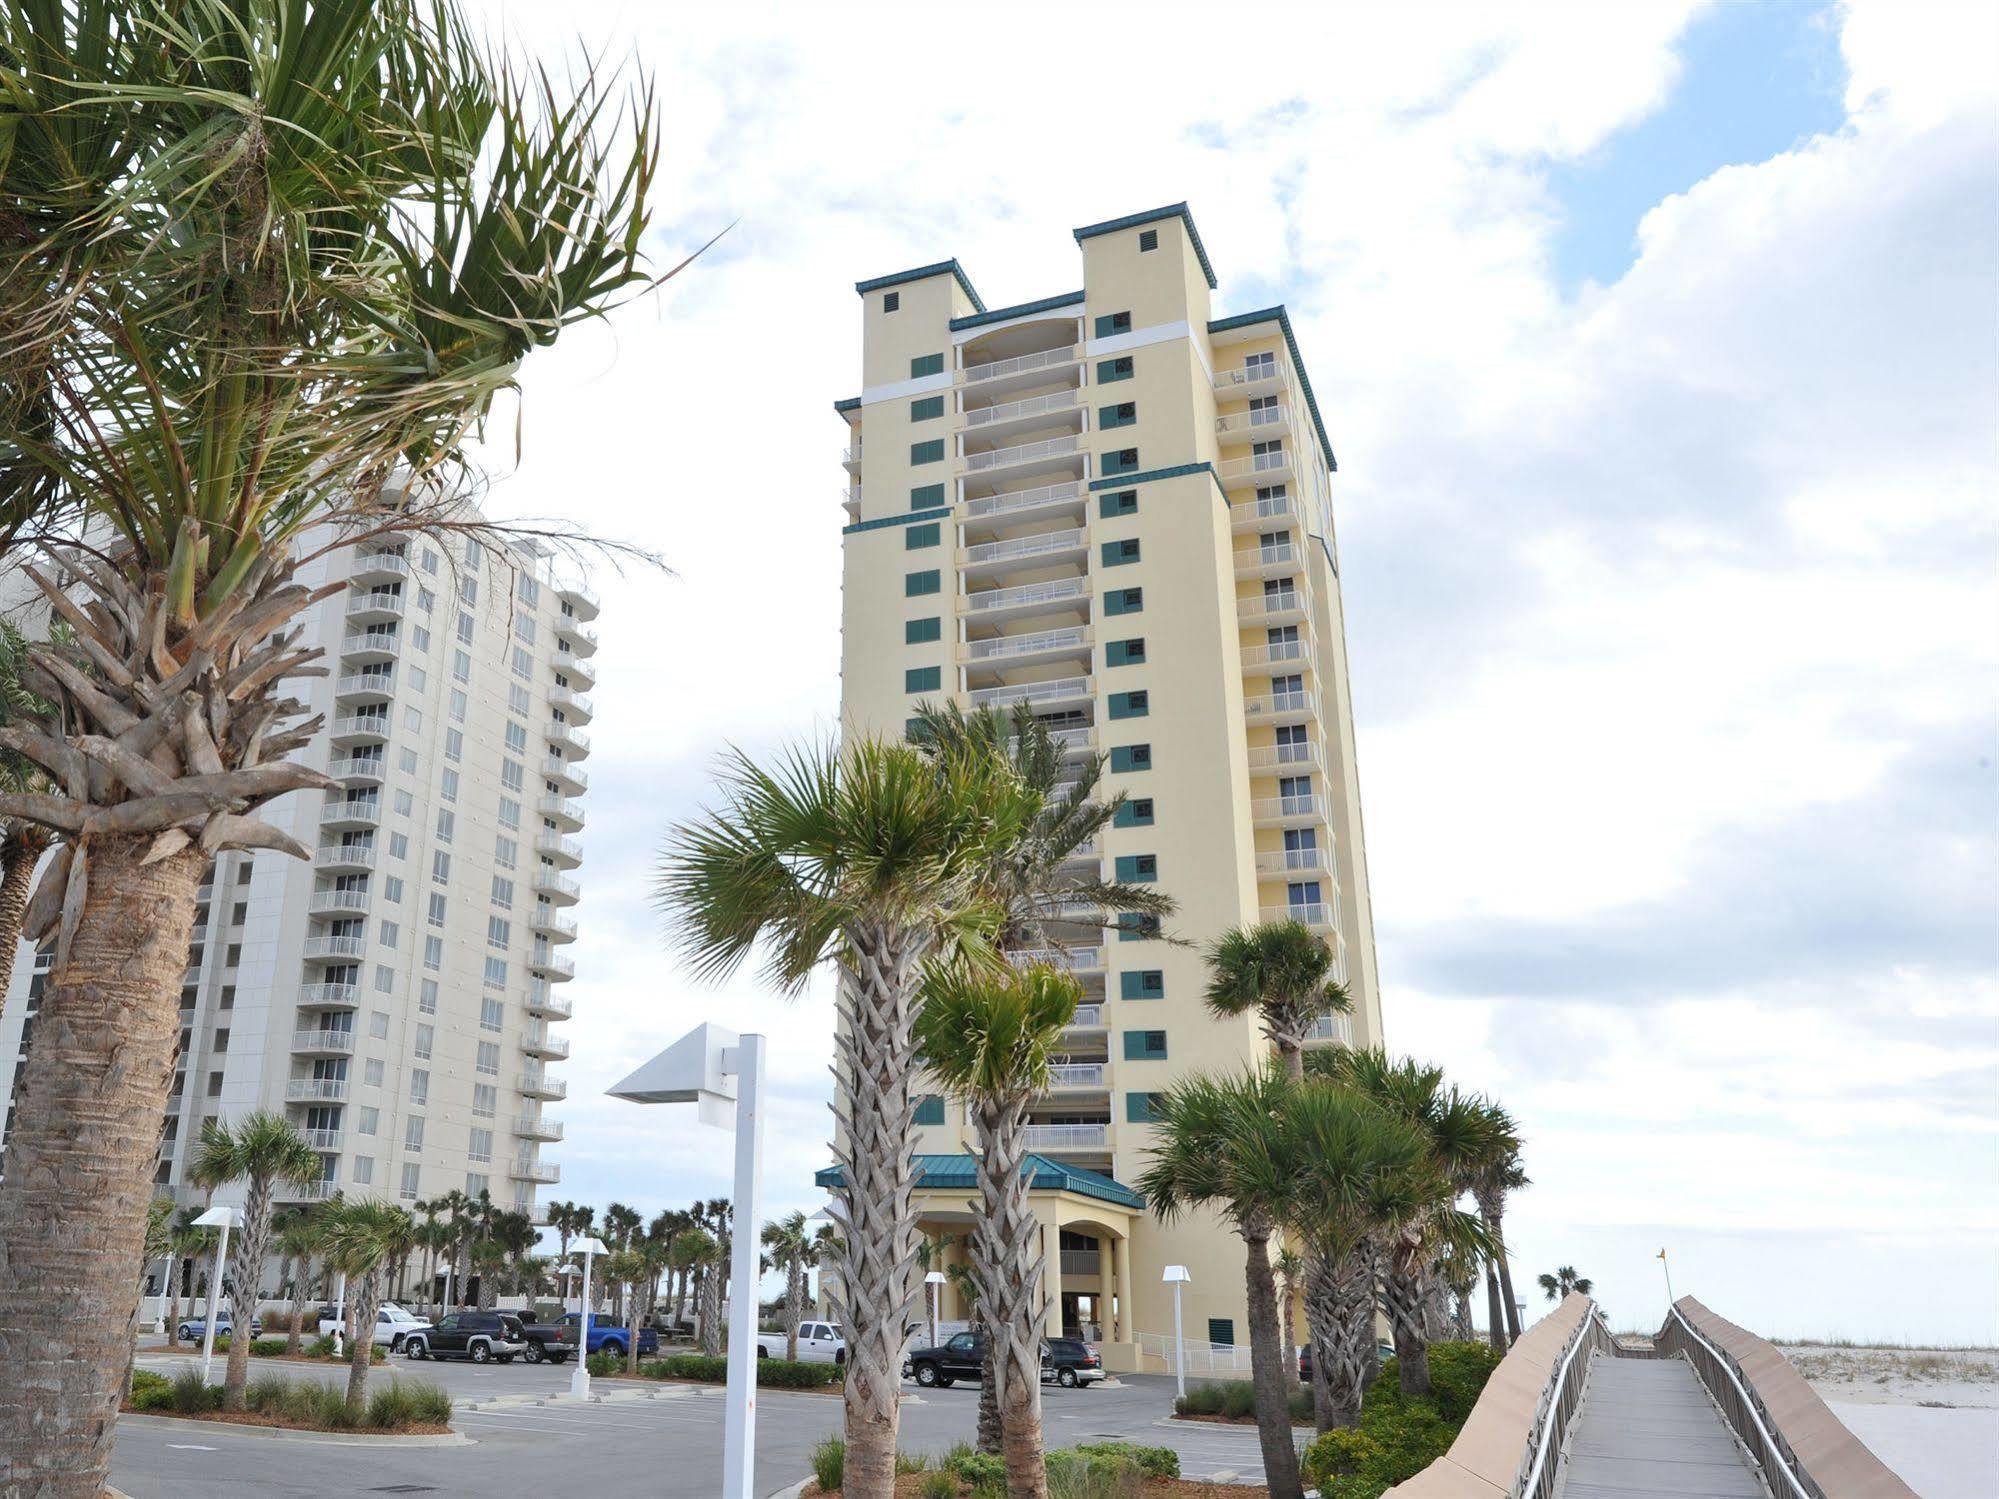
(485, 1100)
(1123, 414)
(1124, 601)
(1221, 1330)
(1124, 652)
(1142, 1108)
(510, 812)
(891, 300)
(426, 1002)
(1117, 502)
(1121, 461)
(1130, 704)
(506, 851)
(370, 1119)
(1142, 983)
(1131, 757)
(503, 892)
(915, 585)
(1139, 869)
(372, 1072)
(390, 931)
(489, 1058)
(385, 979)
(931, 451)
(1148, 239)
(499, 932)
(922, 631)
(492, 1013)
(496, 973)
(378, 1025)
(440, 867)
(447, 786)
(930, 1109)
(479, 1146)
(926, 364)
(435, 915)
(1121, 553)
(1111, 370)
(454, 744)
(926, 497)
(1111, 324)
(1144, 1046)
(927, 409)
(412, 1175)
(433, 954)
(1133, 927)
(921, 679)
(915, 538)
(419, 1093)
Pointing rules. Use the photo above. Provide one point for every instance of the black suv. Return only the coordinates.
(479, 1336)
(1067, 1361)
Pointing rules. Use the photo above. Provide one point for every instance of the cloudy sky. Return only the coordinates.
(1658, 348)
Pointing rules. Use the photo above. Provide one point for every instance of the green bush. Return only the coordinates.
(264, 1393)
(267, 1347)
(604, 1364)
(937, 1485)
(774, 1372)
(320, 1347)
(829, 1462)
(910, 1462)
(1073, 1474)
(146, 1379)
(192, 1394)
(430, 1404)
(1238, 1399)
(1201, 1400)
(301, 1402)
(1156, 1462)
(976, 1468)
(1390, 1448)
(158, 1397)
(389, 1406)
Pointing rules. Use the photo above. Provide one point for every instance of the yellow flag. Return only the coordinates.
(1662, 1254)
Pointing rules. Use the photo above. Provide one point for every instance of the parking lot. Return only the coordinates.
(523, 1434)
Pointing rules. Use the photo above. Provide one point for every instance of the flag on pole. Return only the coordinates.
(1662, 1254)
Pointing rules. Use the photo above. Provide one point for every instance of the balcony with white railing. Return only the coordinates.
(323, 1043)
(1074, 959)
(850, 501)
(377, 644)
(1006, 417)
(358, 769)
(1268, 561)
(1087, 1018)
(1086, 852)
(354, 726)
(576, 706)
(1079, 741)
(850, 459)
(1072, 1076)
(1028, 598)
(1055, 690)
(537, 1041)
(535, 1127)
(324, 1139)
(329, 996)
(319, 1191)
(1264, 511)
(1044, 549)
(1337, 1029)
(375, 604)
(552, 924)
(572, 741)
(546, 963)
(1288, 811)
(1253, 426)
(566, 852)
(1286, 863)
(1283, 656)
(316, 1090)
(1281, 759)
(537, 1084)
(1057, 1138)
(360, 686)
(555, 768)
(1046, 453)
(535, 1171)
(1257, 468)
(1281, 708)
(1285, 607)
(1261, 379)
(582, 639)
(1318, 914)
(993, 374)
(1071, 640)
(561, 809)
(581, 670)
(557, 887)
(578, 597)
(380, 565)
(339, 903)
(544, 1001)
(345, 856)
(1024, 504)
(364, 813)
(334, 949)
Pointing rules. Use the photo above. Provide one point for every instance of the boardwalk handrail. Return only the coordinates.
(1559, 1401)
(1787, 1428)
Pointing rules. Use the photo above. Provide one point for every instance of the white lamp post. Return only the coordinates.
(579, 1381)
(935, 1280)
(1176, 1276)
(721, 1073)
(225, 1219)
(340, 1315)
(166, 1280)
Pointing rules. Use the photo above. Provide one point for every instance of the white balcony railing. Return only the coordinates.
(550, 883)
(1266, 507)
(1017, 547)
(1076, 1075)
(346, 856)
(1282, 554)
(324, 1139)
(534, 1127)
(325, 902)
(1055, 591)
(541, 1085)
(1264, 421)
(1016, 500)
(1026, 452)
(329, 996)
(1075, 959)
(1312, 913)
(1004, 646)
(1262, 657)
(561, 928)
(997, 369)
(371, 564)
(1332, 1028)
(1007, 411)
(361, 723)
(336, 947)
(368, 811)
(1270, 605)
(1267, 465)
(535, 1171)
(319, 1191)
(557, 847)
(1067, 1136)
(1245, 378)
(1287, 861)
(1282, 807)
(1275, 705)
(560, 806)
(1271, 757)
(1057, 690)
(1087, 1018)
(316, 1090)
(558, 769)
(341, 1042)
(375, 601)
(543, 1000)
(350, 767)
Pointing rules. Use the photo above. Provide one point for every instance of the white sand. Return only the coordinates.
(1931, 1415)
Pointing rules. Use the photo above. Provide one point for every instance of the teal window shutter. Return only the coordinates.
(927, 409)
(1134, 927)
(1124, 652)
(922, 679)
(1136, 813)
(1148, 239)
(1124, 601)
(1137, 869)
(1221, 1330)
(922, 631)
(1141, 1108)
(1111, 370)
(1126, 704)
(916, 584)
(1130, 757)
(927, 452)
(1113, 323)
(1117, 502)
(1118, 553)
(930, 1109)
(1122, 461)
(912, 729)
(926, 496)
(1144, 1046)
(926, 364)
(914, 538)
(1142, 983)
(1121, 415)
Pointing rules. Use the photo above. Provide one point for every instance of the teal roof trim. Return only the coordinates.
(852, 403)
(924, 273)
(1282, 318)
(1001, 314)
(1180, 470)
(1170, 211)
(948, 1172)
(883, 522)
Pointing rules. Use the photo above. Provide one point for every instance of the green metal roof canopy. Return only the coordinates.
(961, 1172)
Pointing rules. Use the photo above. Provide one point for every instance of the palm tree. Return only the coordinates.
(1493, 1186)
(262, 1149)
(266, 257)
(1290, 1267)
(620, 1224)
(22, 841)
(1557, 1286)
(562, 1218)
(184, 1243)
(435, 1237)
(298, 1240)
(1283, 971)
(786, 1239)
(697, 1250)
(652, 1250)
(872, 856)
(1221, 1143)
(364, 1237)
(989, 1041)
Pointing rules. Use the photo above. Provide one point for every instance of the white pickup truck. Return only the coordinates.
(818, 1343)
(392, 1324)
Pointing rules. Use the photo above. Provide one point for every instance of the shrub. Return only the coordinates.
(603, 1365)
(430, 1403)
(267, 1347)
(1238, 1399)
(320, 1347)
(1073, 1474)
(389, 1406)
(302, 1402)
(1390, 1448)
(331, 1408)
(158, 1397)
(265, 1393)
(910, 1462)
(1156, 1462)
(192, 1394)
(774, 1372)
(976, 1468)
(146, 1379)
(937, 1485)
(829, 1462)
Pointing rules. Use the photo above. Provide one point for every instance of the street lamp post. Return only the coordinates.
(223, 1218)
(579, 1380)
(340, 1316)
(168, 1267)
(935, 1280)
(721, 1074)
(1176, 1276)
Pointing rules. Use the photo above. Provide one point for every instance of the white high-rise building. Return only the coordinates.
(398, 996)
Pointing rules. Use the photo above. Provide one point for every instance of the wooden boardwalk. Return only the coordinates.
(1646, 1428)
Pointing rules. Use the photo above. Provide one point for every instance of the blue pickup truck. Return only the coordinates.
(607, 1336)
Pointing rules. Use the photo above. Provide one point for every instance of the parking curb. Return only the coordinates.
(283, 1434)
(791, 1493)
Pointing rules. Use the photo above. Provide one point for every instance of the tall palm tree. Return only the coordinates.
(620, 1224)
(1290, 1267)
(1557, 1286)
(1220, 1143)
(184, 1242)
(1282, 970)
(298, 1240)
(989, 1040)
(561, 1217)
(785, 1240)
(22, 841)
(652, 1250)
(687, 1253)
(436, 1238)
(267, 255)
(364, 1237)
(1494, 1185)
(872, 856)
(698, 1250)
(261, 1149)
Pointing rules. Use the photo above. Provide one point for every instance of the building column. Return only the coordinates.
(1121, 1261)
(1051, 1276)
(1106, 1324)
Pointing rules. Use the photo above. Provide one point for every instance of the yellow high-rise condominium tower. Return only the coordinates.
(1117, 507)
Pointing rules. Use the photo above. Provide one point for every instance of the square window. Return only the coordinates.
(1148, 239)
(1124, 652)
(891, 300)
(1137, 869)
(1121, 461)
(1111, 370)
(1221, 1330)
(927, 409)
(915, 585)
(1121, 553)
(922, 631)
(929, 1109)
(372, 1072)
(926, 364)
(1134, 927)
(926, 497)
(1142, 983)
(427, 997)
(922, 679)
(931, 451)
(1124, 601)
(1131, 757)
(1117, 502)
(1144, 1046)
(370, 1119)
(915, 538)
(1113, 323)
(1130, 704)
(1142, 1108)
(1123, 414)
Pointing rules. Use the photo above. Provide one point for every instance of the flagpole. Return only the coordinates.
(1666, 1265)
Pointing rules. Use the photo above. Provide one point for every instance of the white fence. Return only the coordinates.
(1221, 1360)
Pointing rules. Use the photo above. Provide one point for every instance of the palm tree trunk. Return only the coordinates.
(90, 1097)
(1339, 1291)
(1287, 1330)
(1512, 1307)
(992, 1429)
(632, 1335)
(246, 1265)
(19, 850)
(1273, 1407)
(298, 1306)
(1495, 1319)
(361, 1351)
(711, 1313)
(876, 1253)
(1402, 1298)
(794, 1306)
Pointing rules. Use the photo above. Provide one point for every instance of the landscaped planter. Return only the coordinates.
(394, 1407)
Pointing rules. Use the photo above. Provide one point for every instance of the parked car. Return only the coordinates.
(1070, 1362)
(478, 1336)
(548, 1342)
(195, 1328)
(818, 1343)
(393, 1324)
(607, 1336)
